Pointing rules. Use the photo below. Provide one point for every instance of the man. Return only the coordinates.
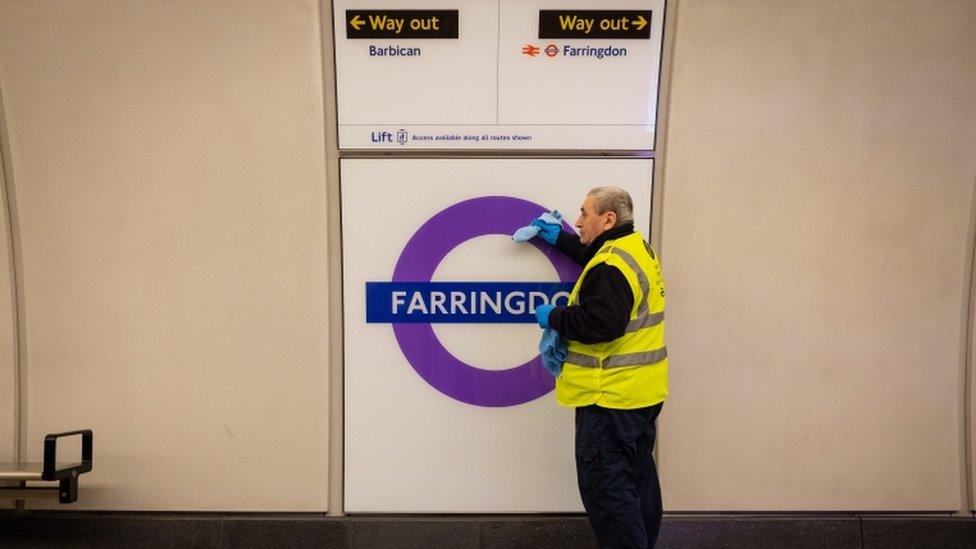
(615, 373)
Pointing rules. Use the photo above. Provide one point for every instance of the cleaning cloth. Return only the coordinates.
(552, 348)
(553, 218)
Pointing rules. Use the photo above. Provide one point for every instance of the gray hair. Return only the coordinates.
(613, 199)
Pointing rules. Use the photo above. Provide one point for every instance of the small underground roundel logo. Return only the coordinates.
(412, 301)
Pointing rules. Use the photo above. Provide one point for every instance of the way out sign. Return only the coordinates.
(620, 24)
(402, 24)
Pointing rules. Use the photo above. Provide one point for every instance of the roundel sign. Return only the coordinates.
(412, 301)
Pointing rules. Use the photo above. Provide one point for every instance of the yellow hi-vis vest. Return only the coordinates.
(632, 370)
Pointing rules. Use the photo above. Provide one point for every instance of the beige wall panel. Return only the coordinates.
(169, 161)
(819, 178)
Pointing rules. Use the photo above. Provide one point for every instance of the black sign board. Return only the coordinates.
(625, 24)
(401, 23)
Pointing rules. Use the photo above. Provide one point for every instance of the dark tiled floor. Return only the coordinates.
(102, 530)
(256, 532)
(772, 531)
(905, 533)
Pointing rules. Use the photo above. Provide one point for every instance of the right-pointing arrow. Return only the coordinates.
(641, 22)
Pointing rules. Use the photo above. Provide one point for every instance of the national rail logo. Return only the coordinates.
(411, 301)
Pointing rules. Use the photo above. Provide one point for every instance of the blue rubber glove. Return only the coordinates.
(542, 314)
(549, 226)
(546, 226)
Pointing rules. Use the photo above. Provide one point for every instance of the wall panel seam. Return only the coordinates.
(967, 362)
(335, 336)
(12, 230)
(656, 236)
(668, 47)
(660, 125)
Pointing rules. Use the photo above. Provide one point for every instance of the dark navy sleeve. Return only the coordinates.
(604, 309)
(570, 245)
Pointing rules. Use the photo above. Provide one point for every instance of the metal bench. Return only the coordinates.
(65, 474)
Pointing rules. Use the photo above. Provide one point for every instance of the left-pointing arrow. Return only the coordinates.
(401, 24)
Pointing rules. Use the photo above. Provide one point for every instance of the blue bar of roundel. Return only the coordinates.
(451, 302)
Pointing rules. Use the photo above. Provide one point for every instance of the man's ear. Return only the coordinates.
(611, 219)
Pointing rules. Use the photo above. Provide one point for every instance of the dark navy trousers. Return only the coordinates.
(617, 475)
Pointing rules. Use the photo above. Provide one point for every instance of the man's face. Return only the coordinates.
(591, 224)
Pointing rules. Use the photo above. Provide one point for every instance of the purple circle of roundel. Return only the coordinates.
(423, 253)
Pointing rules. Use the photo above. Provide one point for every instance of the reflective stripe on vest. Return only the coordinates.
(583, 360)
(616, 361)
(633, 359)
(644, 319)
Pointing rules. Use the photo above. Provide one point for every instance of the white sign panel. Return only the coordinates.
(497, 74)
(447, 408)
